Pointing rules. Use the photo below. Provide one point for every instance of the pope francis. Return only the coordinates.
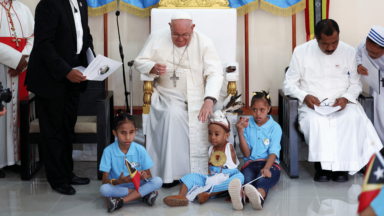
(189, 76)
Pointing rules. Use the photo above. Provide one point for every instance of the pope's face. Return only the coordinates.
(374, 51)
(328, 44)
(181, 31)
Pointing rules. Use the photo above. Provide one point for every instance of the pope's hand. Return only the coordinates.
(23, 63)
(206, 109)
(76, 76)
(3, 112)
(362, 70)
(311, 100)
(342, 102)
(159, 69)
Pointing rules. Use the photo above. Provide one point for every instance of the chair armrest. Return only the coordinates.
(288, 120)
(105, 97)
(364, 95)
(28, 99)
(234, 76)
(367, 102)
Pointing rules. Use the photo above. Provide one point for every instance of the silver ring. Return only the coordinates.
(158, 72)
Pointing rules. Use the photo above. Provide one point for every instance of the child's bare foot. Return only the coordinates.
(178, 200)
(203, 197)
(235, 191)
(114, 203)
(255, 198)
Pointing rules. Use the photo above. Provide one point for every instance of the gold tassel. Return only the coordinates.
(285, 12)
(146, 12)
(94, 12)
(241, 11)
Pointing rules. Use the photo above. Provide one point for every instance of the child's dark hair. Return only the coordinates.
(121, 118)
(261, 95)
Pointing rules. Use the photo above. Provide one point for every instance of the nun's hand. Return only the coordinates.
(362, 70)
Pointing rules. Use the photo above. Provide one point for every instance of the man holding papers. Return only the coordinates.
(325, 68)
(372, 49)
(62, 38)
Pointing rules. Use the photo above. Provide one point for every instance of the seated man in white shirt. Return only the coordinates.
(325, 70)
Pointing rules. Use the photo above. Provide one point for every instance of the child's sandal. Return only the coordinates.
(254, 197)
(234, 189)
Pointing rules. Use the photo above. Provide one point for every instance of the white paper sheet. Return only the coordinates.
(90, 56)
(326, 110)
(100, 68)
(81, 69)
(373, 78)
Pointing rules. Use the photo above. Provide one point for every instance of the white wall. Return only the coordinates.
(270, 41)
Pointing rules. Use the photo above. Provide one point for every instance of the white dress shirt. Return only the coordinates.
(78, 24)
(323, 76)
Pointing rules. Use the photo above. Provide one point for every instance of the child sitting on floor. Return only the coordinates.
(222, 163)
(117, 184)
(260, 144)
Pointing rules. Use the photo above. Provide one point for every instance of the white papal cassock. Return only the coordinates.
(342, 141)
(10, 58)
(176, 141)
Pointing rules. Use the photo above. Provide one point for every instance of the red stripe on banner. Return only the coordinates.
(136, 180)
(327, 9)
(307, 21)
(366, 198)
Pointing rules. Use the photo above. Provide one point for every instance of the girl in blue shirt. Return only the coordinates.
(260, 144)
(117, 184)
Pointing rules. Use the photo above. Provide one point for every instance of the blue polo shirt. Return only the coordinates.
(264, 140)
(113, 159)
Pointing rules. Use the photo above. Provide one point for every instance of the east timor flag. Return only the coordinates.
(135, 175)
(373, 182)
(315, 11)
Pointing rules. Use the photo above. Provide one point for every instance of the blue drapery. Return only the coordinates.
(100, 7)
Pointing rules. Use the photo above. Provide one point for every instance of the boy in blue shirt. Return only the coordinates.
(117, 184)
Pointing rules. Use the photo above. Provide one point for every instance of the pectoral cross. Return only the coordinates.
(174, 78)
(16, 40)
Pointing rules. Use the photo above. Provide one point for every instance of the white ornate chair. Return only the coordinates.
(217, 21)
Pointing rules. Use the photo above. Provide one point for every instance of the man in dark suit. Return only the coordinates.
(62, 38)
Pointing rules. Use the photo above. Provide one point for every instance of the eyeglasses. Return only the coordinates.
(327, 104)
(185, 36)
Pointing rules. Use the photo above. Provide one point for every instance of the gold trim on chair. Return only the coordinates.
(194, 4)
(231, 88)
(148, 90)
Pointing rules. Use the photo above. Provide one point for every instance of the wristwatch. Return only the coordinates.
(211, 98)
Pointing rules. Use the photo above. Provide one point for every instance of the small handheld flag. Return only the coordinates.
(373, 181)
(135, 175)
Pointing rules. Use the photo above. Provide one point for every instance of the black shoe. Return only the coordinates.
(2, 174)
(114, 203)
(340, 176)
(173, 184)
(150, 198)
(65, 189)
(78, 181)
(322, 176)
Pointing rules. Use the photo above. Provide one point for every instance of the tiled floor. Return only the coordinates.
(289, 197)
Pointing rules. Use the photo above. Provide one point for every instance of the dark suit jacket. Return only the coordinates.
(55, 45)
